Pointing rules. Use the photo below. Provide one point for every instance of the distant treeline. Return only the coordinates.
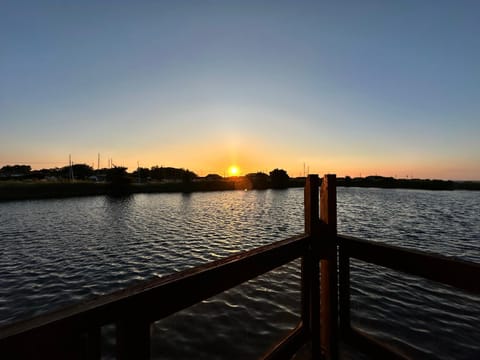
(86, 172)
(278, 178)
(21, 182)
(392, 183)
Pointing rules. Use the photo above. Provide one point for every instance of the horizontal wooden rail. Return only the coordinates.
(150, 300)
(375, 348)
(458, 273)
(289, 345)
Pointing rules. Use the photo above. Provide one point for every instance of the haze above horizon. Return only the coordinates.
(352, 88)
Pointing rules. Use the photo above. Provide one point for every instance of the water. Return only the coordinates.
(55, 252)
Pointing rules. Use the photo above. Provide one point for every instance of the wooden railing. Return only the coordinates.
(460, 274)
(75, 332)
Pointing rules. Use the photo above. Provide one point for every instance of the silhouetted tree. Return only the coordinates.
(258, 180)
(169, 173)
(15, 170)
(348, 180)
(141, 173)
(279, 179)
(82, 171)
(188, 176)
(119, 181)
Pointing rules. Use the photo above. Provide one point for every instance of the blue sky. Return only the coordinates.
(354, 88)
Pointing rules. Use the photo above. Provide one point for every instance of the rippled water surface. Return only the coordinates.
(55, 252)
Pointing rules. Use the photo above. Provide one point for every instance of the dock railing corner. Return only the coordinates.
(75, 332)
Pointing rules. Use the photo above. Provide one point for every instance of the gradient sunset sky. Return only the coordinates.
(347, 87)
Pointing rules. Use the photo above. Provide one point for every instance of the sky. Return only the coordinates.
(354, 88)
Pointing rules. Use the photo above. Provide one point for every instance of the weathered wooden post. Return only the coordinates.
(93, 344)
(328, 268)
(344, 291)
(310, 267)
(133, 339)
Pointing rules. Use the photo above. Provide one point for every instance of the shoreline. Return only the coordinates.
(22, 190)
(15, 191)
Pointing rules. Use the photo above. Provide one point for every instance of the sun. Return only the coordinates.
(233, 170)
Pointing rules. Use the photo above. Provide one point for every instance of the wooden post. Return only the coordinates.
(344, 292)
(133, 339)
(310, 267)
(93, 344)
(328, 268)
(311, 205)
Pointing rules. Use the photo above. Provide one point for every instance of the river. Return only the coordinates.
(60, 251)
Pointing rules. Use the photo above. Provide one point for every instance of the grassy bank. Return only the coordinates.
(419, 184)
(25, 190)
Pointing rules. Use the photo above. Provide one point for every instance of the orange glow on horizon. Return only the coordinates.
(233, 171)
(221, 158)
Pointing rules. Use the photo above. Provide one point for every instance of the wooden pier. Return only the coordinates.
(75, 332)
